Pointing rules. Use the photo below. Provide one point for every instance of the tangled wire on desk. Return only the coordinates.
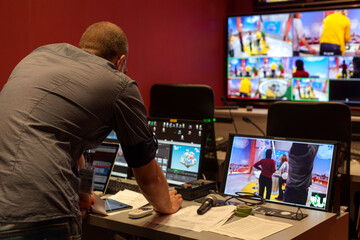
(248, 198)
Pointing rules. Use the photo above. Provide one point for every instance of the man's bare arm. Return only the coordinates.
(153, 185)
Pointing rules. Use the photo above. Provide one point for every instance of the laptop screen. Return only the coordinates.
(286, 171)
(181, 147)
(102, 161)
(120, 168)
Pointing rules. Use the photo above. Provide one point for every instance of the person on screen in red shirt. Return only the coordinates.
(300, 72)
(267, 167)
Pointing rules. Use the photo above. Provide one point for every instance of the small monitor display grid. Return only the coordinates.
(309, 168)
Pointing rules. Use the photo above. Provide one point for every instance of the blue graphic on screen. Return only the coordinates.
(232, 25)
(312, 22)
(250, 23)
(185, 158)
(272, 27)
(240, 153)
(322, 162)
(353, 15)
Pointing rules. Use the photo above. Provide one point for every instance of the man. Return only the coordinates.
(59, 101)
(299, 36)
(335, 33)
(267, 169)
(300, 71)
(301, 163)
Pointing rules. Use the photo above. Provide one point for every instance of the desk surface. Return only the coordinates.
(318, 224)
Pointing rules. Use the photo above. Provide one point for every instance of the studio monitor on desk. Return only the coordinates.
(190, 102)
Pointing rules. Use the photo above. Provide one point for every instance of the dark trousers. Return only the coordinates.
(294, 195)
(328, 49)
(57, 229)
(265, 182)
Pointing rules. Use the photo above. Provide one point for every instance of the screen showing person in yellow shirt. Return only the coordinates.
(245, 87)
(335, 33)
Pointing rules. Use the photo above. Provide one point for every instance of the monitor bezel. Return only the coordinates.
(332, 177)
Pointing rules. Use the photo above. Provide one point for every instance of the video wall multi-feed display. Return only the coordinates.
(294, 56)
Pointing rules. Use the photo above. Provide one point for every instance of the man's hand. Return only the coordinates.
(155, 189)
(176, 200)
(81, 161)
(311, 50)
(85, 202)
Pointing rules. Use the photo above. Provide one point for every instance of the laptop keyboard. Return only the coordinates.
(116, 185)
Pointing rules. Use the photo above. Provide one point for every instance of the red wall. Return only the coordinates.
(176, 41)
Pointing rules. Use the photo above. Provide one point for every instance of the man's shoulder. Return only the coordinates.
(57, 47)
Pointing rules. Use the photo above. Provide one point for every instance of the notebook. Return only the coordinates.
(102, 161)
(310, 164)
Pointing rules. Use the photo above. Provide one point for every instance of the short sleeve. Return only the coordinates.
(130, 124)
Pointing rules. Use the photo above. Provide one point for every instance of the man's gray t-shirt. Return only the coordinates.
(58, 101)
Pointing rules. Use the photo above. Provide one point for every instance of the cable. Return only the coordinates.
(246, 119)
(248, 198)
(231, 116)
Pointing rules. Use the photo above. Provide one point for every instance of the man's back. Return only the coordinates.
(53, 106)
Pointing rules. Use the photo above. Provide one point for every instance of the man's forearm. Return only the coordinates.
(153, 185)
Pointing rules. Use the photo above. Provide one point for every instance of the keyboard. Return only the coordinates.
(116, 185)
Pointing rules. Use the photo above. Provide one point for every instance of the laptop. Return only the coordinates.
(311, 163)
(102, 161)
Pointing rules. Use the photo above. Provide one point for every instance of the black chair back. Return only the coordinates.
(182, 101)
(322, 121)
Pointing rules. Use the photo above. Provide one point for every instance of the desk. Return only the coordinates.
(318, 225)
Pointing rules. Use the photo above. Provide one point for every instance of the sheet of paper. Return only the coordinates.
(131, 198)
(252, 228)
(189, 219)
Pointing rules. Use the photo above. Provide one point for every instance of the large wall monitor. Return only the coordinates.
(265, 54)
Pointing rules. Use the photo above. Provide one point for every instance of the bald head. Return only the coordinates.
(105, 40)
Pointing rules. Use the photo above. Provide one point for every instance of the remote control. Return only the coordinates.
(140, 212)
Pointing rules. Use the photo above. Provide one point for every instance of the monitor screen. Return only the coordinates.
(285, 171)
(181, 147)
(102, 160)
(293, 56)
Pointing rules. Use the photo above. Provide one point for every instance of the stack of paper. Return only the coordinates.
(189, 219)
(131, 198)
(251, 228)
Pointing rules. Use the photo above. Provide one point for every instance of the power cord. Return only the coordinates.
(248, 198)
